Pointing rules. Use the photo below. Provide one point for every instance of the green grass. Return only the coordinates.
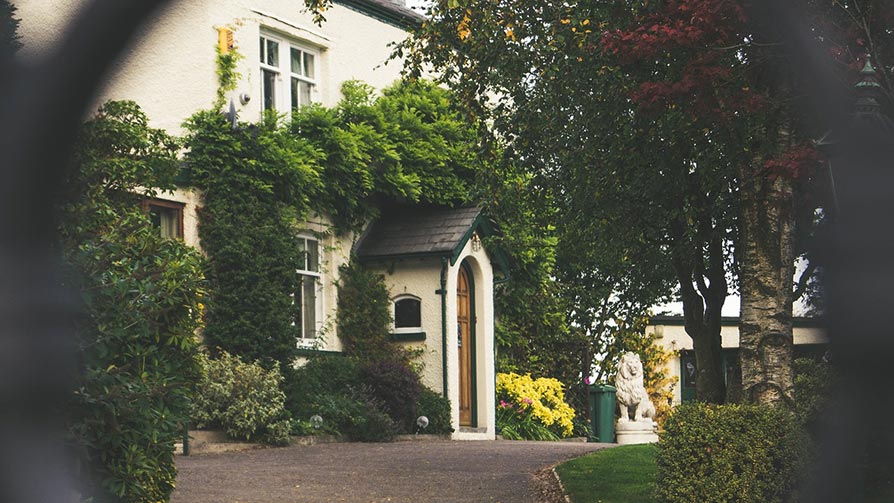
(618, 475)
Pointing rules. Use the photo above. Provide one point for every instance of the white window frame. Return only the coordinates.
(405, 330)
(282, 86)
(303, 340)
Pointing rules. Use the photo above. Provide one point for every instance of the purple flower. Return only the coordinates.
(588, 380)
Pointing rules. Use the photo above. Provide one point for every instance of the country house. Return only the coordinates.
(440, 276)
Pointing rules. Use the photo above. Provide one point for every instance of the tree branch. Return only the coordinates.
(804, 281)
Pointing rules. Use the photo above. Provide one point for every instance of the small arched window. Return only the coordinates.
(407, 313)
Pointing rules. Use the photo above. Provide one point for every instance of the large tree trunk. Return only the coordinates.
(766, 273)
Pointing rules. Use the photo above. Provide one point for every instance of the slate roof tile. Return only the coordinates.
(417, 231)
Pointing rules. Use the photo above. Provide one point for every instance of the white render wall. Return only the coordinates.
(171, 69)
(421, 277)
(674, 339)
(171, 73)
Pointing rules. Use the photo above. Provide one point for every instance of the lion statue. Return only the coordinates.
(631, 392)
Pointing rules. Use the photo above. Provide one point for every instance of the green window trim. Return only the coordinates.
(408, 337)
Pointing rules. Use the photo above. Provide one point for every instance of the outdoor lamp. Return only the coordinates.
(316, 421)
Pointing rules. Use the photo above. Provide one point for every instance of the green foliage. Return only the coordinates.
(227, 76)
(243, 399)
(730, 453)
(396, 386)
(140, 296)
(813, 381)
(514, 423)
(368, 401)
(436, 408)
(411, 144)
(331, 387)
(364, 313)
(609, 207)
(624, 474)
(257, 180)
(260, 181)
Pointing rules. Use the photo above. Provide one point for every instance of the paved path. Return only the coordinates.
(400, 472)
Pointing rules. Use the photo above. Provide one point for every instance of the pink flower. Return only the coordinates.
(527, 401)
(588, 380)
(504, 404)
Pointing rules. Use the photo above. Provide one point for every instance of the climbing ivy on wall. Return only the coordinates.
(259, 182)
(409, 145)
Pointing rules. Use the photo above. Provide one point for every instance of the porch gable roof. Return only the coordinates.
(421, 232)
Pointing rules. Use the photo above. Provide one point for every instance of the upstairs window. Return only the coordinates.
(288, 74)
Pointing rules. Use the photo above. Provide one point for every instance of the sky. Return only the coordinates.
(418, 5)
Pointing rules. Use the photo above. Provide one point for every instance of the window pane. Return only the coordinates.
(262, 52)
(313, 255)
(296, 61)
(272, 53)
(308, 65)
(305, 89)
(407, 313)
(166, 220)
(302, 252)
(299, 306)
(310, 307)
(269, 89)
(301, 92)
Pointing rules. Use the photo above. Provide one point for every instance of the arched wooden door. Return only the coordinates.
(466, 343)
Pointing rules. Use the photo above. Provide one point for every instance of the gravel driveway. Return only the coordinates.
(400, 472)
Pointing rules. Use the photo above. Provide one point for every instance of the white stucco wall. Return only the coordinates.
(171, 68)
(170, 71)
(421, 278)
(673, 338)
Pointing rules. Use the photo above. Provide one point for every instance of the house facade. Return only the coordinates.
(809, 341)
(288, 61)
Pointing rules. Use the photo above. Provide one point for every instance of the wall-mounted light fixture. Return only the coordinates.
(476, 242)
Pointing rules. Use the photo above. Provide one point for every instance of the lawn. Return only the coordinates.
(618, 475)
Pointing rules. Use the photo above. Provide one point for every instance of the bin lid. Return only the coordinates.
(602, 387)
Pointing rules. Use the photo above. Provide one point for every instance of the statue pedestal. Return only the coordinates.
(639, 432)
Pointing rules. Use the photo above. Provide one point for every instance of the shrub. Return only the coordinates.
(332, 387)
(812, 381)
(525, 405)
(396, 387)
(243, 399)
(729, 453)
(140, 295)
(370, 423)
(436, 408)
(364, 313)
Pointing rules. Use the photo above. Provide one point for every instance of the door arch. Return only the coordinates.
(465, 321)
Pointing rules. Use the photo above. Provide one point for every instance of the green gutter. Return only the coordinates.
(443, 293)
